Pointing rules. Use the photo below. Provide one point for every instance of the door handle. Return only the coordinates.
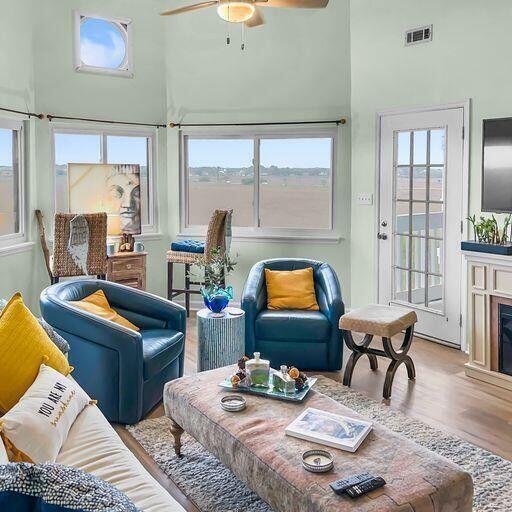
(382, 236)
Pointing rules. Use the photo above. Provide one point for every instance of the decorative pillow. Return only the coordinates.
(291, 289)
(23, 347)
(97, 304)
(3, 454)
(57, 488)
(35, 429)
(61, 343)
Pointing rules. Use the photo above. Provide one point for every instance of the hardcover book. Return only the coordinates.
(329, 429)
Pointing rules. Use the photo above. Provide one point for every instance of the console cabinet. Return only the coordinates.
(489, 283)
(128, 268)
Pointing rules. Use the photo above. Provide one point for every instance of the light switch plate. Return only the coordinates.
(365, 198)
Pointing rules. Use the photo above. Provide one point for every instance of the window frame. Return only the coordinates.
(125, 27)
(147, 229)
(330, 233)
(16, 239)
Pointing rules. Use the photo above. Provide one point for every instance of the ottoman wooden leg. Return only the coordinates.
(357, 352)
(176, 432)
(397, 358)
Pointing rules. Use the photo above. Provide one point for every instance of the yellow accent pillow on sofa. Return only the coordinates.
(23, 347)
(97, 304)
(291, 289)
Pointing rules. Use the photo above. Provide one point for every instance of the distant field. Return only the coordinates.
(6, 206)
(295, 203)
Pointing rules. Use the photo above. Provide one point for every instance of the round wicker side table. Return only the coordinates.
(220, 341)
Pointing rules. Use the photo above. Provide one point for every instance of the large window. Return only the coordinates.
(111, 148)
(11, 183)
(103, 44)
(276, 183)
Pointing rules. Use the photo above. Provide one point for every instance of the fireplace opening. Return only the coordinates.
(505, 339)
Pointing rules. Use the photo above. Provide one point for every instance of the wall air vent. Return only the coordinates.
(418, 35)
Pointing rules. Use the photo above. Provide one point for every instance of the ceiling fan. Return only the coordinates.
(247, 11)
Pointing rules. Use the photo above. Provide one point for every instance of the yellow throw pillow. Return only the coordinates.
(97, 304)
(23, 347)
(291, 289)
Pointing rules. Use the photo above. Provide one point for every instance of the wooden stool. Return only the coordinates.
(385, 322)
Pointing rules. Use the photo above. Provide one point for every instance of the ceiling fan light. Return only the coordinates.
(235, 12)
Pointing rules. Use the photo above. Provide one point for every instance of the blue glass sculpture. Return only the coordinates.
(216, 299)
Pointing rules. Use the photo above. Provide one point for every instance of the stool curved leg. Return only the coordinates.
(390, 375)
(411, 370)
(349, 369)
(374, 365)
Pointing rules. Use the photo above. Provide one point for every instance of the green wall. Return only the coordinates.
(467, 59)
(296, 67)
(19, 271)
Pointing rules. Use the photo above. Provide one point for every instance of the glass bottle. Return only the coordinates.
(258, 371)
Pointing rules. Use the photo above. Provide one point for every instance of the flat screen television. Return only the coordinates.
(497, 165)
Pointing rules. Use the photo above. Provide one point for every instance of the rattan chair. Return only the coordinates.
(217, 236)
(61, 263)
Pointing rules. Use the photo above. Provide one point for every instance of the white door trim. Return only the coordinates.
(466, 108)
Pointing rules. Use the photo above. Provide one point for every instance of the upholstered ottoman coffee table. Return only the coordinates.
(252, 444)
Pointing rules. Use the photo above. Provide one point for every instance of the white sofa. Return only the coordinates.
(94, 446)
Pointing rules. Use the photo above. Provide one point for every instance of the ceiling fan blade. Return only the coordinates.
(297, 4)
(189, 8)
(255, 20)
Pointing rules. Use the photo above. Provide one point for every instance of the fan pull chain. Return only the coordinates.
(243, 36)
(228, 37)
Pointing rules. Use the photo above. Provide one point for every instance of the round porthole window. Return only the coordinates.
(103, 43)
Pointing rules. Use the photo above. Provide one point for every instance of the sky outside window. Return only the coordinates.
(101, 44)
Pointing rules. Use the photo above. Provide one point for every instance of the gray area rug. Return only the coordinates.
(214, 488)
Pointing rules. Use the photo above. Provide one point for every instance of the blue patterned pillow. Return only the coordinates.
(55, 488)
(193, 246)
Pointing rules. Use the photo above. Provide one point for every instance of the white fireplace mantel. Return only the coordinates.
(489, 278)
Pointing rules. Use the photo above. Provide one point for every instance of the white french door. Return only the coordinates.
(420, 214)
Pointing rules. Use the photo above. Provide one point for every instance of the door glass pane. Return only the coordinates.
(402, 251)
(402, 183)
(419, 213)
(435, 256)
(435, 220)
(419, 183)
(419, 216)
(72, 148)
(417, 288)
(401, 285)
(436, 184)
(437, 146)
(133, 150)
(9, 183)
(420, 147)
(220, 176)
(402, 216)
(418, 253)
(435, 292)
(403, 148)
(295, 183)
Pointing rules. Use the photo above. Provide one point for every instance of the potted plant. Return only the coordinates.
(488, 236)
(216, 265)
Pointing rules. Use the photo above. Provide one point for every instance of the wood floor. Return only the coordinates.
(441, 396)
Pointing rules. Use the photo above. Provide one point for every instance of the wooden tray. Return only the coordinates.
(269, 392)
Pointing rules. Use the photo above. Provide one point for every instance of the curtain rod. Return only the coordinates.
(69, 118)
(197, 125)
(29, 114)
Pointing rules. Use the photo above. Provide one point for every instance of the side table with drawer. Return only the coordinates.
(128, 268)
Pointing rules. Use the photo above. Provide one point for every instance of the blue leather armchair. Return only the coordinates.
(123, 369)
(309, 340)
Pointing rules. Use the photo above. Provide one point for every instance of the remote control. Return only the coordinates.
(366, 487)
(340, 486)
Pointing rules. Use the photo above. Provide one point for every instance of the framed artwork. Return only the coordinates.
(110, 188)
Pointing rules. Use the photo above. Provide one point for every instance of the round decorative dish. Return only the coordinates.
(233, 403)
(317, 461)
